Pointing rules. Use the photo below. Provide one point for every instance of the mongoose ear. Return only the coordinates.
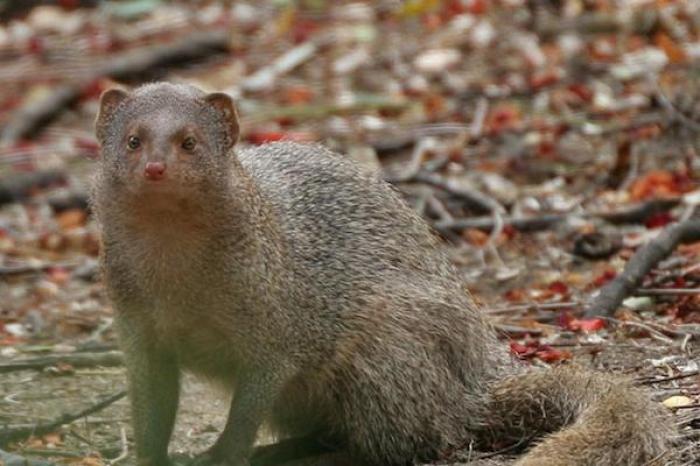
(109, 101)
(224, 104)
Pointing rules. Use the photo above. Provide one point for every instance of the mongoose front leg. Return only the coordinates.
(255, 393)
(154, 387)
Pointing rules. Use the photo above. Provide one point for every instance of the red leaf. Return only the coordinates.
(645, 132)
(303, 29)
(520, 350)
(547, 150)
(35, 45)
(659, 220)
(509, 231)
(69, 4)
(564, 319)
(545, 79)
(569, 322)
(297, 95)
(553, 355)
(533, 348)
(475, 237)
(673, 51)
(262, 137)
(604, 278)
(656, 183)
(581, 91)
(591, 325)
(502, 117)
(680, 282)
(58, 274)
(477, 7)
(515, 295)
(558, 287)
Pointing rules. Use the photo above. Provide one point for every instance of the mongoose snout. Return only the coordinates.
(154, 170)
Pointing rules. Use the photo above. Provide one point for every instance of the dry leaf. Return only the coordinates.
(677, 401)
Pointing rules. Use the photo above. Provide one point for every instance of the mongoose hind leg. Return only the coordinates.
(408, 392)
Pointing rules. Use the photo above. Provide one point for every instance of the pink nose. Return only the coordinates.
(154, 170)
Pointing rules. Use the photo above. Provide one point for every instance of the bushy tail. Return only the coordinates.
(579, 418)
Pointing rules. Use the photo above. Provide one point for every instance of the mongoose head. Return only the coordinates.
(165, 138)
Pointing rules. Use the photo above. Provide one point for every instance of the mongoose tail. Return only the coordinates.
(581, 417)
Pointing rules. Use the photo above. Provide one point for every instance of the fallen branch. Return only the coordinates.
(612, 294)
(106, 359)
(265, 77)
(21, 269)
(20, 433)
(471, 198)
(35, 114)
(637, 213)
(17, 187)
(641, 22)
(543, 222)
(73, 200)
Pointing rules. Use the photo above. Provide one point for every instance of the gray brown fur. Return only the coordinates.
(310, 287)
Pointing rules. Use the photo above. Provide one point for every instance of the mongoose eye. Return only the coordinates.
(133, 143)
(189, 144)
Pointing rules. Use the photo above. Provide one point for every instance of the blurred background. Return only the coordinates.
(545, 140)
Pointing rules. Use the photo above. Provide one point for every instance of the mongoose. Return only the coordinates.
(311, 289)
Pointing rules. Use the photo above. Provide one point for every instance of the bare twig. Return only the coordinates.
(125, 448)
(674, 112)
(477, 126)
(512, 330)
(106, 359)
(612, 294)
(670, 378)
(18, 186)
(471, 198)
(654, 333)
(21, 269)
(532, 306)
(15, 434)
(667, 291)
(638, 213)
